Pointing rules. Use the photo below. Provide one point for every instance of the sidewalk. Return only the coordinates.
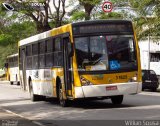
(4, 82)
(8, 118)
(2, 78)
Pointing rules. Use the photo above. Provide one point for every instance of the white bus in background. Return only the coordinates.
(154, 52)
(12, 69)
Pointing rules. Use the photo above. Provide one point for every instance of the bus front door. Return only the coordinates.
(67, 67)
(24, 68)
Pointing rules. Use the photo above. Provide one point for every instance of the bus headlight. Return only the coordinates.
(133, 79)
(85, 82)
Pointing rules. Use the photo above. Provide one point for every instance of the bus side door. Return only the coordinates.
(68, 76)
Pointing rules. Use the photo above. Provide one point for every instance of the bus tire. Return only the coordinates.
(33, 97)
(18, 83)
(11, 82)
(63, 102)
(117, 100)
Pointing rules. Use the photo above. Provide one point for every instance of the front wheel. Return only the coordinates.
(63, 102)
(117, 99)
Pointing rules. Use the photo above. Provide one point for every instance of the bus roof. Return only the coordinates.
(13, 55)
(48, 34)
(41, 36)
(100, 22)
(35, 38)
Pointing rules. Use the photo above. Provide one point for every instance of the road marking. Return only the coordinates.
(150, 93)
(38, 123)
(35, 122)
(142, 107)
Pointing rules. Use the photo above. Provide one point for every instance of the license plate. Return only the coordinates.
(109, 88)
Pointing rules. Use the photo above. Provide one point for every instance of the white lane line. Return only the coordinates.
(150, 93)
(35, 122)
(38, 123)
(153, 107)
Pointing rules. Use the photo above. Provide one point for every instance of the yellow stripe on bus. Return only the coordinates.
(41, 80)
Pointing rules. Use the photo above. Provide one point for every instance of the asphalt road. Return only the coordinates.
(144, 106)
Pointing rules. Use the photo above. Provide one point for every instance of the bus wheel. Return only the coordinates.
(11, 83)
(18, 83)
(32, 95)
(63, 102)
(117, 99)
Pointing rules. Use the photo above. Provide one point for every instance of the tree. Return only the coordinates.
(58, 14)
(88, 6)
(148, 22)
(10, 36)
(42, 16)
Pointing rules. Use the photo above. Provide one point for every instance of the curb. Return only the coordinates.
(4, 82)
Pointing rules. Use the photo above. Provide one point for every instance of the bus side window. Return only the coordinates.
(42, 54)
(57, 53)
(29, 56)
(20, 59)
(49, 53)
(6, 65)
(35, 56)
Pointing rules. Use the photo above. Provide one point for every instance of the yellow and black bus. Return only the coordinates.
(83, 60)
(12, 69)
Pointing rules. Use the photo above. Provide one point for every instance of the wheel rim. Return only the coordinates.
(31, 91)
(61, 96)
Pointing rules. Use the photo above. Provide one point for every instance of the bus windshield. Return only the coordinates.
(116, 52)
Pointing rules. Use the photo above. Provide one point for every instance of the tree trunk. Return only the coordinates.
(88, 8)
(87, 15)
(42, 27)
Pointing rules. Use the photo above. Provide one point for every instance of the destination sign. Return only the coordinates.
(103, 28)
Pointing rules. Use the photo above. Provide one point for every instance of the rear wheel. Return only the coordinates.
(18, 83)
(117, 99)
(11, 83)
(34, 97)
(63, 102)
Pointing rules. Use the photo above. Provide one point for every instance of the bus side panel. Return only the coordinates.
(14, 72)
(57, 73)
(41, 80)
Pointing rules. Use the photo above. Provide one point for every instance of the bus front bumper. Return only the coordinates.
(101, 90)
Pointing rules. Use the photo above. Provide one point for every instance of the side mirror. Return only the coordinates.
(70, 49)
(6, 65)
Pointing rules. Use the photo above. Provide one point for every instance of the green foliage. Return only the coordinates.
(10, 37)
(83, 11)
(92, 2)
(148, 24)
(5, 39)
(111, 15)
(78, 15)
(5, 51)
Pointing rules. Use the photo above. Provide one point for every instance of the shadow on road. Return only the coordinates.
(97, 104)
(132, 101)
(13, 100)
(89, 104)
(148, 90)
(50, 108)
